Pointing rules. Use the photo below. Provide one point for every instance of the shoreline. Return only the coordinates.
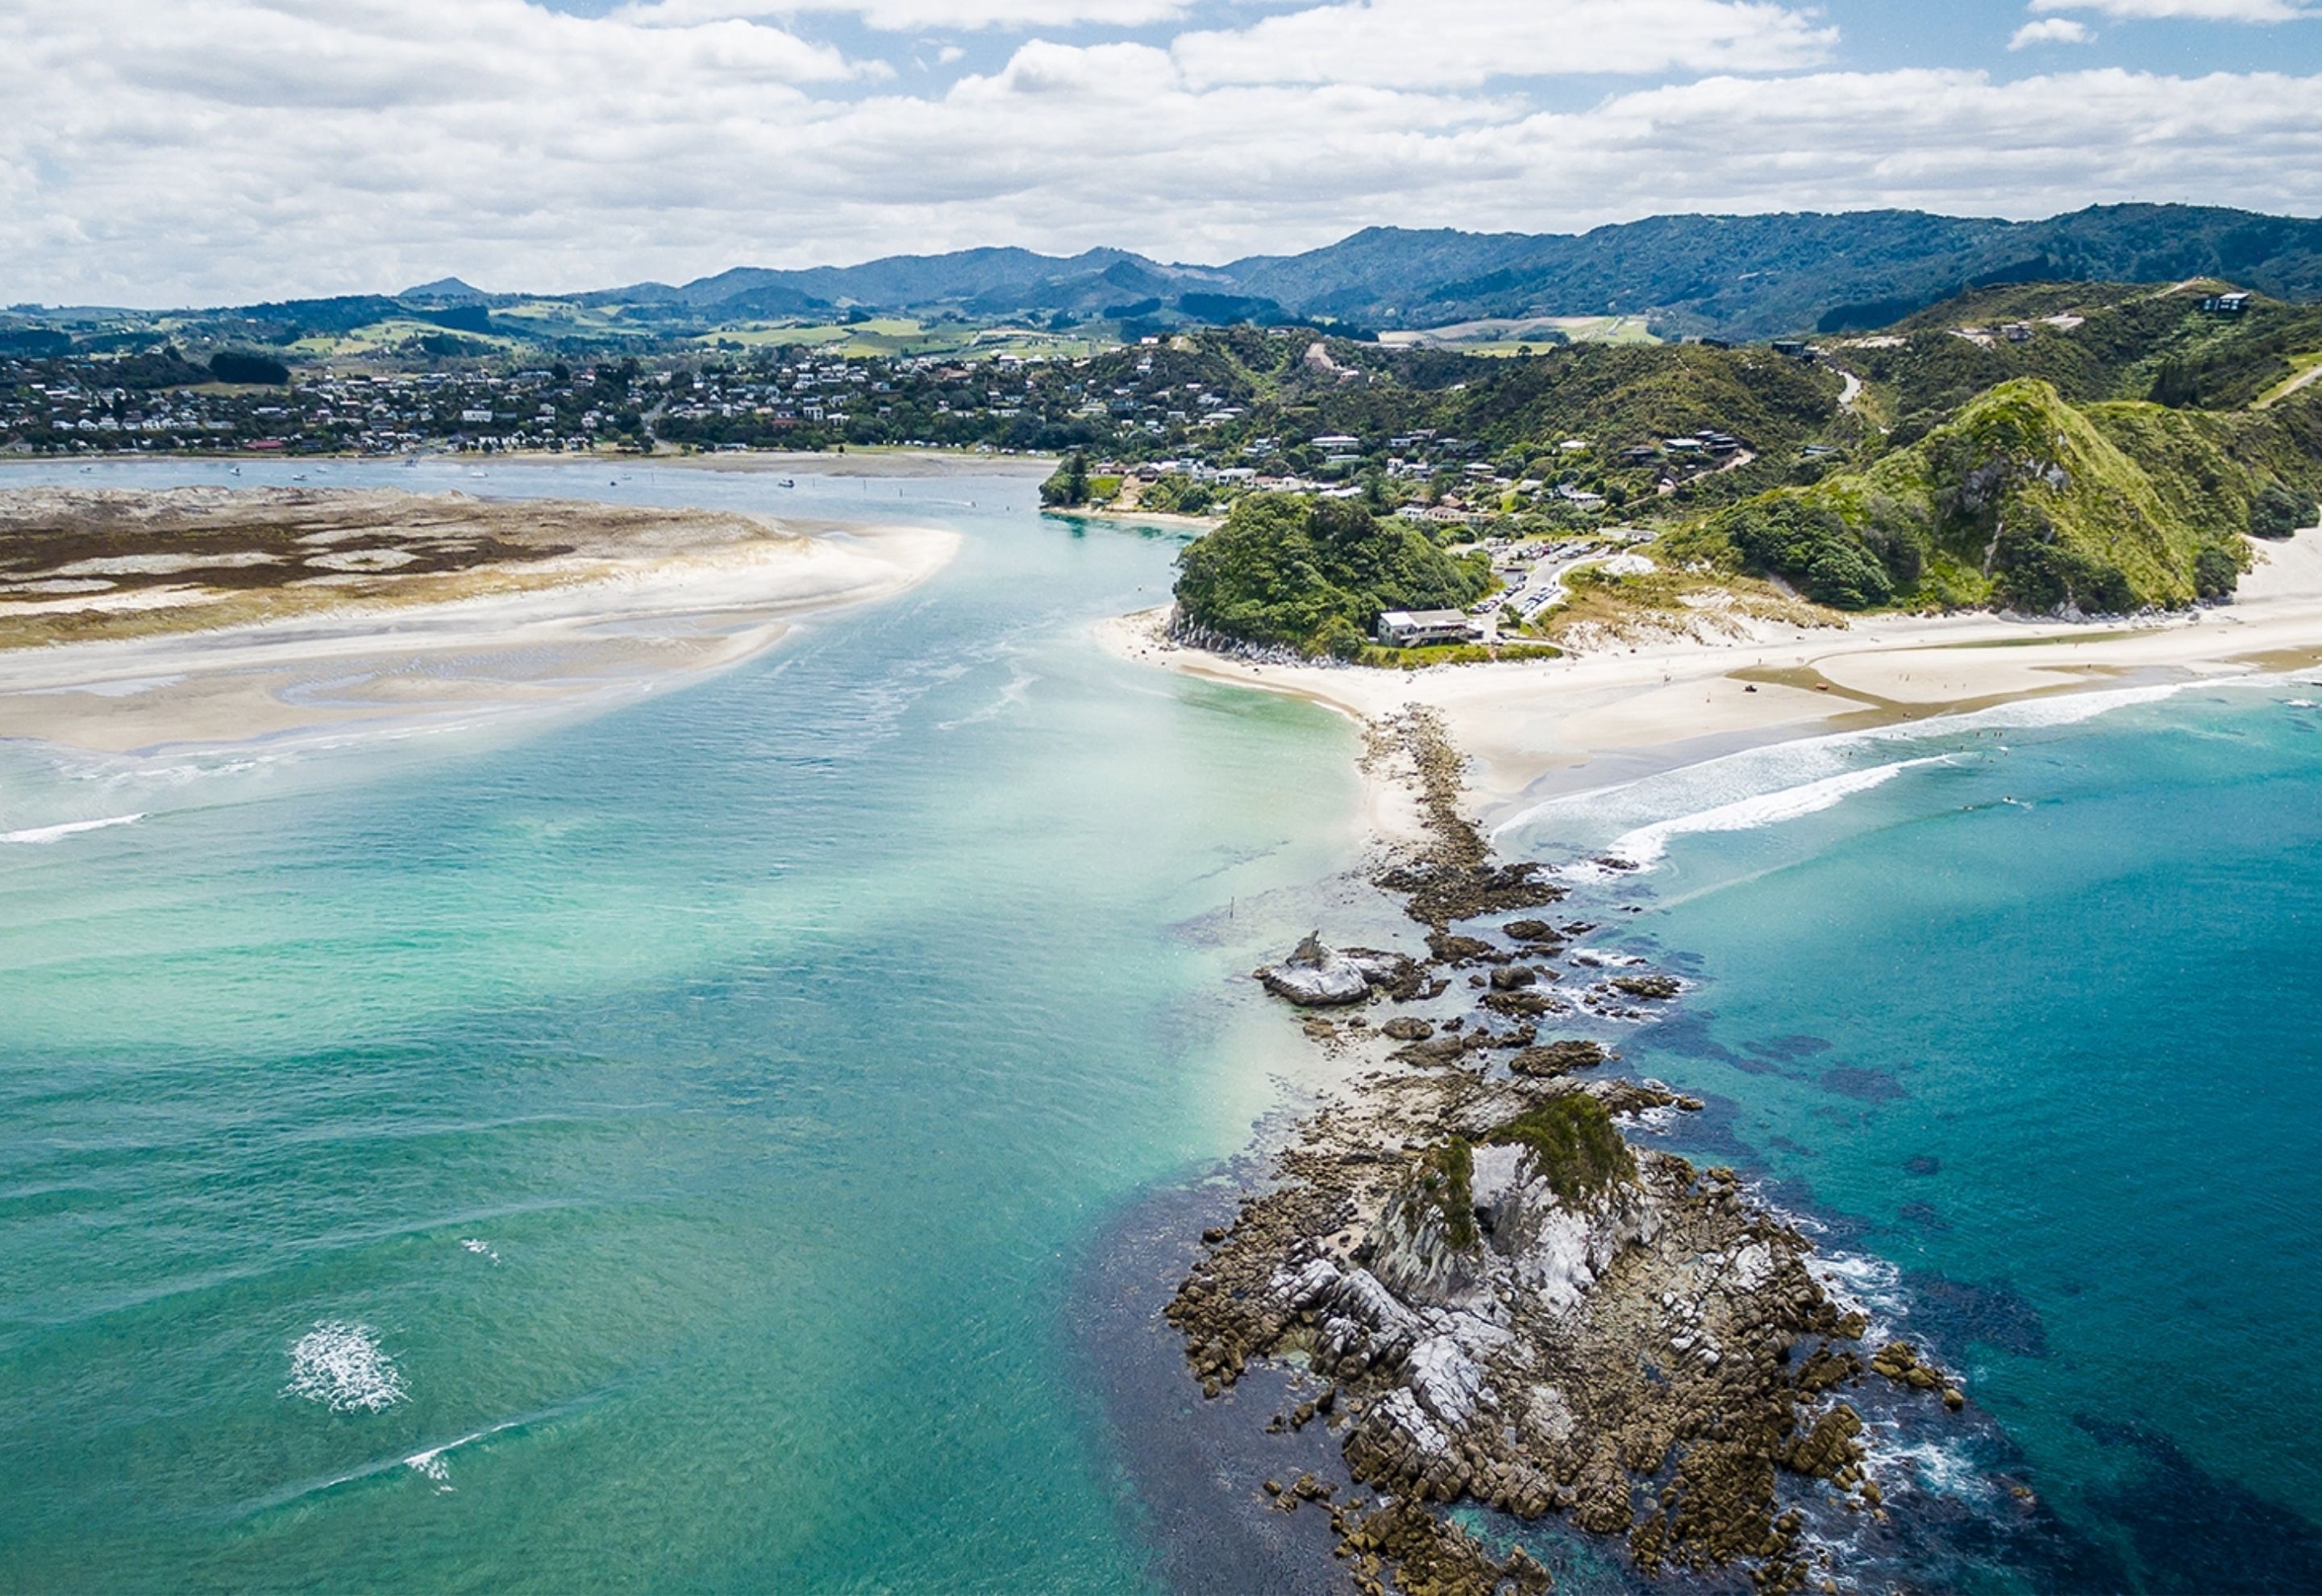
(1170, 518)
(596, 625)
(1339, 1281)
(869, 460)
(1538, 729)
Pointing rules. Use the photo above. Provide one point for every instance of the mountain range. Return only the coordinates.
(1735, 276)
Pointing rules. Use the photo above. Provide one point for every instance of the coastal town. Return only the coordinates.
(1175, 426)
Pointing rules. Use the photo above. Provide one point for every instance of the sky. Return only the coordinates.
(162, 153)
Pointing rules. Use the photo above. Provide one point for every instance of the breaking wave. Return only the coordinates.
(1648, 843)
(341, 1365)
(52, 834)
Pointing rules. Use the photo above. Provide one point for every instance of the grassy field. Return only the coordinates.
(892, 337)
(1508, 337)
(377, 336)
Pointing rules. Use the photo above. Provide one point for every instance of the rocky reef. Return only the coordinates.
(1507, 1300)
(1317, 977)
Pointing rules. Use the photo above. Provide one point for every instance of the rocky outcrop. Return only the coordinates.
(1511, 1304)
(1315, 977)
(1558, 1058)
(1318, 977)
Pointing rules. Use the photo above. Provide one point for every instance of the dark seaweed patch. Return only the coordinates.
(1923, 1215)
(1787, 1050)
(1954, 1312)
(1866, 1085)
(2196, 1531)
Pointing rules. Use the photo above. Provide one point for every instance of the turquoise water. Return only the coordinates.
(703, 1107)
(673, 1137)
(2032, 1019)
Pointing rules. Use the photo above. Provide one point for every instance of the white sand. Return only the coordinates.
(606, 632)
(1582, 721)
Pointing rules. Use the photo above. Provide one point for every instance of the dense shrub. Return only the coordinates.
(1810, 546)
(234, 366)
(1315, 575)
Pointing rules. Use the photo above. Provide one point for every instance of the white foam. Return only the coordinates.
(1859, 1283)
(1648, 843)
(1759, 786)
(2065, 709)
(340, 1365)
(50, 833)
(431, 1462)
(482, 1248)
(1599, 958)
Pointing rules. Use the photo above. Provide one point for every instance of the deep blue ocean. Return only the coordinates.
(661, 1150)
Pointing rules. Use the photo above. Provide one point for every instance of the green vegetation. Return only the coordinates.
(2281, 511)
(1575, 1147)
(1068, 485)
(1455, 653)
(2026, 500)
(1315, 575)
(1446, 1183)
(2090, 341)
(234, 366)
(1175, 494)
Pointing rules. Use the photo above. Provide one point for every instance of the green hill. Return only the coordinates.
(1290, 572)
(2027, 501)
(2092, 340)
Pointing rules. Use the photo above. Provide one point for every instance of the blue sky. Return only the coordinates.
(1874, 35)
(160, 151)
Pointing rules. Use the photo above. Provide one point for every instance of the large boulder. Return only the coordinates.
(1315, 977)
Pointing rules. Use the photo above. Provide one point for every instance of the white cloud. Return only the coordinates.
(2056, 30)
(220, 150)
(906, 16)
(1451, 43)
(2206, 11)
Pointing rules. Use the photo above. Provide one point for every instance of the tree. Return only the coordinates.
(235, 366)
(1314, 576)
(1068, 485)
(2281, 511)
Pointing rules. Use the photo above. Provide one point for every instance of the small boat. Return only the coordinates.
(787, 482)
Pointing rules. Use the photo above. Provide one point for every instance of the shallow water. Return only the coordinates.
(659, 1149)
(649, 1151)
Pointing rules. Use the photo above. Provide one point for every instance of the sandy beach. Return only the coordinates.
(589, 630)
(1534, 729)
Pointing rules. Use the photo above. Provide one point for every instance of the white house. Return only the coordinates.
(1413, 628)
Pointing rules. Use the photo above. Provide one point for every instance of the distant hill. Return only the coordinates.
(445, 291)
(1731, 276)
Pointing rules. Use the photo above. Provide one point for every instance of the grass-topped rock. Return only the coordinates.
(1573, 1145)
(1314, 575)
